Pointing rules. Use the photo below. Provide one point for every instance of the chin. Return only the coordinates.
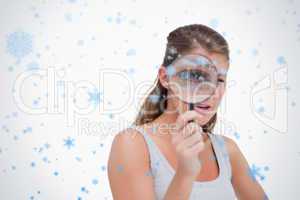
(205, 118)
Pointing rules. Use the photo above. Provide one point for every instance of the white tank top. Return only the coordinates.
(162, 172)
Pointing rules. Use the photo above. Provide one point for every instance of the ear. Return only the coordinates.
(163, 77)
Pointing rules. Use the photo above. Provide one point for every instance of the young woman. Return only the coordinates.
(165, 155)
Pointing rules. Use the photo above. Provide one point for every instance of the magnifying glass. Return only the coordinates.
(193, 79)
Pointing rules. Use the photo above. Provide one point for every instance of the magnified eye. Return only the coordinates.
(198, 76)
(195, 76)
(184, 75)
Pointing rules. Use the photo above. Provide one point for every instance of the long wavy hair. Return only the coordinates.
(179, 41)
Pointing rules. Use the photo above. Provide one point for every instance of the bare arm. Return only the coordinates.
(245, 186)
(128, 167)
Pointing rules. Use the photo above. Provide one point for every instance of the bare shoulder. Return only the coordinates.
(128, 146)
(236, 156)
(128, 135)
(231, 146)
(128, 167)
(243, 181)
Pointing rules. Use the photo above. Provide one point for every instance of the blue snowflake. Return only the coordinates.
(94, 97)
(131, 71)
(170, 70)
(281, 60)
(201, 61)
(254, 171)
(237, 135)
(83, 189)
(110, 115)
(254, 52)
(33, 66)
(214, 23)
(154, 98)
(220, 140)
(120, 168)
(32, 164)
(45, 159)
(109, 19)
(27, 129)
(261, 109)
(103, 168)
(69, 142)
(55, 173)
(131, 52)
(95, 181)
(47, 145)
(19, 44)
(78, 158)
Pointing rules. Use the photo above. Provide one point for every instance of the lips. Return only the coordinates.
(203, 108)
(206, 107)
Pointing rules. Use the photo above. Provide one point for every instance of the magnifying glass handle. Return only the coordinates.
(191, 107)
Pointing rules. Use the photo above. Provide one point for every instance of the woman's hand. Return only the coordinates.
(188, 142)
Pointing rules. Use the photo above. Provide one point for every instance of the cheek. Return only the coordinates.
(219, 92)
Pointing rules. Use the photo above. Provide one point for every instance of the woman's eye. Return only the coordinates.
(192, 76)
(184, 75)
(221, 80)
(197, 76)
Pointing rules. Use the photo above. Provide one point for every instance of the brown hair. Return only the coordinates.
(179, 41)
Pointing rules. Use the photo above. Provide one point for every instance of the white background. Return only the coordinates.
(78, 38)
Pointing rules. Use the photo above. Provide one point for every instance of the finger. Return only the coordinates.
(187, 131)
(196, 148)
(190, 128)
(183, 119)
(191, 140)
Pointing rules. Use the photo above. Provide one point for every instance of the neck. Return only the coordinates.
(168, 117)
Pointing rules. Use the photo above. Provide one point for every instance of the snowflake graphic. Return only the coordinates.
(214, 23)
(281, 60)
(254, 171)
(154, 98)
(33, 66)
(131, 52)
(94, 97)
(19, 44)
(170, 71)
(69, 142)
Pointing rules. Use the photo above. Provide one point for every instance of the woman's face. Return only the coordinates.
(208, 107)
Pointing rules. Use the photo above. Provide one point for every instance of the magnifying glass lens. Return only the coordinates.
(195, 78)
